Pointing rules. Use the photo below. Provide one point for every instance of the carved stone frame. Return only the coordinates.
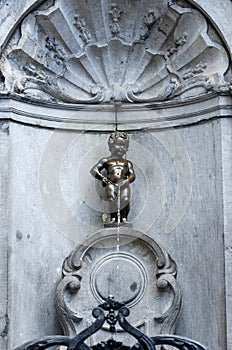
(126, 245)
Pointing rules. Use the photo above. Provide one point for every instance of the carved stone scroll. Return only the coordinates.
(130, 265)
(82, 51)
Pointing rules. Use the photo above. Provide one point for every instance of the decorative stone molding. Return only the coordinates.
(130, 117)
(80, 52)
(129, 264)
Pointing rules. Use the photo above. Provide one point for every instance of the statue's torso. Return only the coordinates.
(117, 169)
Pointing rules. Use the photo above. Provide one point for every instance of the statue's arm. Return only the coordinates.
(97, 169)
(131, 176)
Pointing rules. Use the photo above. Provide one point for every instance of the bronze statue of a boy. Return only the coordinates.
(116, 173)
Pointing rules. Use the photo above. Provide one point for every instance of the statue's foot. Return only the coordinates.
(124, 220)
(112, 221)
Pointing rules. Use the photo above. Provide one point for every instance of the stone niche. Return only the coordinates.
(71, 72)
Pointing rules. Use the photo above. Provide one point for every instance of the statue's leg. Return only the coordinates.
(125, 203)
(124, 213)
(114, 217)
(111, 193)
(112, 198)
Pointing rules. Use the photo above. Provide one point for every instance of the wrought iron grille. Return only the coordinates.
(112, 312)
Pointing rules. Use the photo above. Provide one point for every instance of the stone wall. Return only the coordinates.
(176, 200)
(181, 150)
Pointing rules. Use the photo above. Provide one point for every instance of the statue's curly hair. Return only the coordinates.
(114, 137)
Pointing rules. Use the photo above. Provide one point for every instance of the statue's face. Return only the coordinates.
(119, 148)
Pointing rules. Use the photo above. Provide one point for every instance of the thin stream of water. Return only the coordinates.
(118, 215)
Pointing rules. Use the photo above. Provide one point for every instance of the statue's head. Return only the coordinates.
(118, 143)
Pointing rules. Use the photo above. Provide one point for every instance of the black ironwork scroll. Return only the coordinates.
(116, 313)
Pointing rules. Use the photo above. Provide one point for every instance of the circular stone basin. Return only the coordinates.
(120, 275)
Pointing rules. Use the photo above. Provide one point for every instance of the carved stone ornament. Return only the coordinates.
(129, 265)
(89, 51)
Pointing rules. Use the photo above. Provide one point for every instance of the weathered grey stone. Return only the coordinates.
(4, 228)
(136, 55)
(12, 11)
(129, 265)
(130, 118)
(180, 145)
(176, 199)
(196, 244)
(226, 135)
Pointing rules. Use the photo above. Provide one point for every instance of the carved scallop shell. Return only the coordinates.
(91, 51)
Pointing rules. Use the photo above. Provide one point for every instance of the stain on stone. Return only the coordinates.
(133, 287)
(19, 235)
(4, 333)
(4, 127)
(110, 280)
(28, 236)
(2, 78)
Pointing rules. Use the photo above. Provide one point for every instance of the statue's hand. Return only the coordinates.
(105, 181)
(123, 182)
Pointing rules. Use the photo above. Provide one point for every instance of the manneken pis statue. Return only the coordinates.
(116, 173)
